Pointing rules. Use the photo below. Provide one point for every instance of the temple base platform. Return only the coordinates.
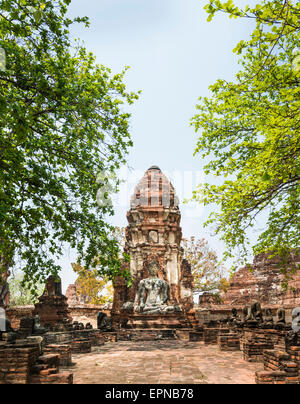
(151, 334)
(151, 327)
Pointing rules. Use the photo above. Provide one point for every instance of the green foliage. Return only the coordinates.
(61, 124)
(208, 272)
(250, 132)
(20, 293)
(90, 288)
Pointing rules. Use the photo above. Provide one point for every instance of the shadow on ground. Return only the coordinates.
(148, 346)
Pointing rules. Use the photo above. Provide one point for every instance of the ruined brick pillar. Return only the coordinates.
(52, 306)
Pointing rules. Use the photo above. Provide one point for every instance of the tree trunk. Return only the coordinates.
(4, 289)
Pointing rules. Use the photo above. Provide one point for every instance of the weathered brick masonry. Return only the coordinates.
(263, 282)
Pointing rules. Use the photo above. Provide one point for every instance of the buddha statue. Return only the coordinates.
(37, 328)
(257, 313)
(153, 293)
(280, 322)
(245, 315)
(254, 318)
(235, 320)
(104, 323)
(292, 337)
(268, 319)
(296, 319)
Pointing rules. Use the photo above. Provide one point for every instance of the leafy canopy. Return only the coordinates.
(249, 132)
(20, 293)
(91, 288)
(208, 273)
(62, 123)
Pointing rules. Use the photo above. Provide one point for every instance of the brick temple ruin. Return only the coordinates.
(263, 282)
(161, 295)
(37, 345)
(255, 317)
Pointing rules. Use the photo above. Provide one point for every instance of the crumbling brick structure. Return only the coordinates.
(280, 367)
(23, 363)
(154, 234)
(52, 307)
(263, 282)
(229, 342)
(211, 335)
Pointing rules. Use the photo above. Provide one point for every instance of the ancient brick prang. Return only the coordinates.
(157, 267)
(154, 234)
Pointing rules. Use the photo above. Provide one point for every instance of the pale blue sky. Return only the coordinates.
(174, 55)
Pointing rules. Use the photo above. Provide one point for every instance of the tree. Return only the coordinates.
(62, 124)
(207, 271)
(20, 293)
(119, 235)
(95, 289)
(91, 288)
(250, 132)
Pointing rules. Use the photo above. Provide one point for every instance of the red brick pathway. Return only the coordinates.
(162, 362)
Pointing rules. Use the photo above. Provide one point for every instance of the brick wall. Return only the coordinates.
(16, 364)
(229, 342)
(81, 313)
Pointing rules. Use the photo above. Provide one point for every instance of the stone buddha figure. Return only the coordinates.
(152, 294)
(254, 317)
(268, 319)
(235, 320)
(280, 322)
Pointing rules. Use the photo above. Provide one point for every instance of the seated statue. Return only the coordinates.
(7, 333)
(292, 339)
(152, 294)
(258, 313)
(37, 328)
(75, 326)
(254, 317)
(128, 307)
(8, 326)
(53, 287)
(268, 320)
(296, 319)
(67, 325)
(280, 322)
(235, 320)
(234, 314)
(245, 315)
(104, 323)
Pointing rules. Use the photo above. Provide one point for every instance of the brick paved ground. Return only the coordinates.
(162, 362)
